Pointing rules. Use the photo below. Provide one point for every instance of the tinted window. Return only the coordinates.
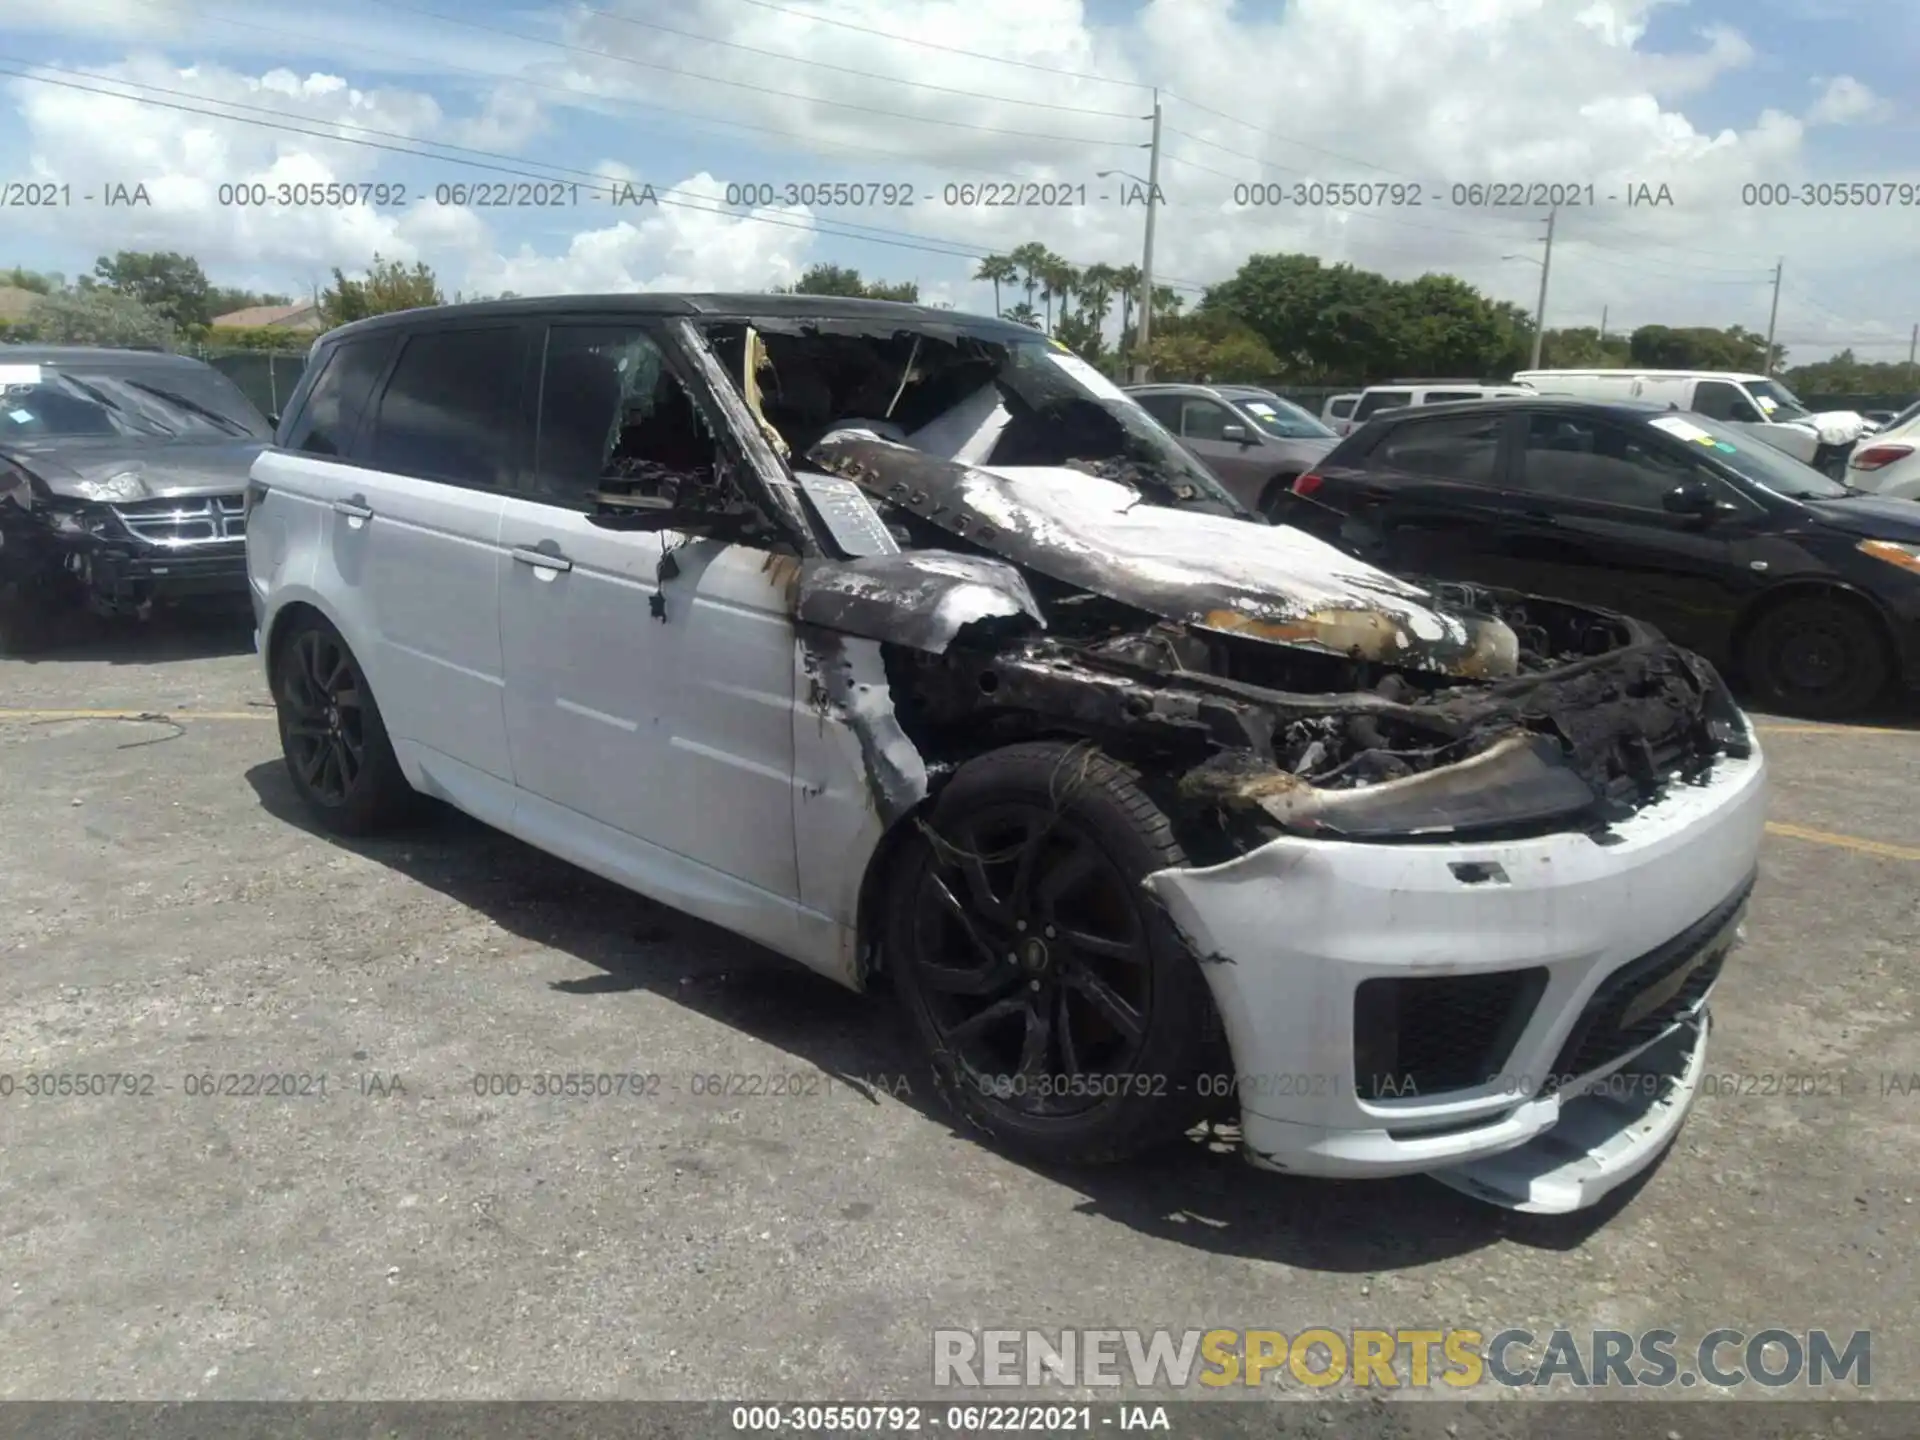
(1576, 458)
(1203, 420)
(1341, 409)
(339, 397)
(1434, 397)
(1719, 400)
(613, 416)
(448, 411)
(1381, 400)
(1164, 408)
(1460, 447)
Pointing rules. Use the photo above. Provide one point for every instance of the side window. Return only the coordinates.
(1341, 409)
(1719, 400)
(614, 417)
(331, 415)
(1203, 420)
(1574, 458)
(1435, 397)
(448, 412)
(1164, 408)
(1460, 447)
(1381, 400)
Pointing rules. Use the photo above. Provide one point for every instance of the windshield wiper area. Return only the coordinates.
(192, 407)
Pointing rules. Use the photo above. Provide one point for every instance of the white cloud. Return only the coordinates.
(1455, 91)
(1845, 101)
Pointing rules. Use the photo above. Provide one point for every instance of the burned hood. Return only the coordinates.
(1271, 583)
(166, 467)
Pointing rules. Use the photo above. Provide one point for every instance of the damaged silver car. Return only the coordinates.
(906, 644)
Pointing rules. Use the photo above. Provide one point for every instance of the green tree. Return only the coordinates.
(1030, 259)
(843, 280)
(1210, 345)
(1058, 281)
(1000, 269)
(389, 285)
(1097, 284)
(225, 299)
(164, 280)
(1582, 347)
(1699, 347)
(36, 281)
(1025, 314)
(98, 317)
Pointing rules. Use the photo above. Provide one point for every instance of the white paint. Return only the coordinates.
(1359, 911)
(1091, 378)
(22, 375)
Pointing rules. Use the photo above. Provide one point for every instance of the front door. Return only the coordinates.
(650, 677)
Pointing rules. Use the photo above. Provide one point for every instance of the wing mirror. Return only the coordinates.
(1694, 497)
(647, 514)
(1237, 434)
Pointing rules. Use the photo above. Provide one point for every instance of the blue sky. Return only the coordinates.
(1706, 97)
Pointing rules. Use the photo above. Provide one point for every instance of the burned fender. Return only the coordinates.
(1268, 583)
(920, 600)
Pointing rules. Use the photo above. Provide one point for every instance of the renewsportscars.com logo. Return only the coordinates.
(1457, 1359)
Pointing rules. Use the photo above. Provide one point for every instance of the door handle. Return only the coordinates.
(354, 509)
(543, 560)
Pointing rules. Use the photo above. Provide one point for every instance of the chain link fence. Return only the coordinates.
(266, 377)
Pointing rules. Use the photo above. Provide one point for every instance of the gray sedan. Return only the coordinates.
(1256, 442)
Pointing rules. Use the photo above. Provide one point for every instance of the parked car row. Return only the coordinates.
(905, 643)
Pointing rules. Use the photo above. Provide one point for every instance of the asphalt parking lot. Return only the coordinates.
(165, 912)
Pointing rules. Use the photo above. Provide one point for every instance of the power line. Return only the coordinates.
(852, 69)
(945, 49)
(618, 102)
(748, 85)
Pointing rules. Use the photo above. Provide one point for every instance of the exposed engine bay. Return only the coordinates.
(1037, 558)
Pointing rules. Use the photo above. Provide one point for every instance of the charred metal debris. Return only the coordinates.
(1248, 717)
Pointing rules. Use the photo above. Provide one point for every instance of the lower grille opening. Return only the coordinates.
(1426, 1035)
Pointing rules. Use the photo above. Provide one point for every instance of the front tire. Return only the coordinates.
(1819, 657)
(1060, 1011)
(335, 743)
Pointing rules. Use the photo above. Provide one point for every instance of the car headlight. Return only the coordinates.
(127, 485)
(1894, 552)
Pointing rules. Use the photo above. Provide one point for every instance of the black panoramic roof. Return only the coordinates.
(742, 306)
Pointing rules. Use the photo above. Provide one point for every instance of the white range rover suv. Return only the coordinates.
(904, 643)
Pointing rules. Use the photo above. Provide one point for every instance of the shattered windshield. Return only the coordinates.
(43, 402)
(979, 394)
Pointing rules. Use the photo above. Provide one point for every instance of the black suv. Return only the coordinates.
(1807, 589)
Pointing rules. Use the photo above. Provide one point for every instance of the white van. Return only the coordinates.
(1376, 398)
(1766, 405)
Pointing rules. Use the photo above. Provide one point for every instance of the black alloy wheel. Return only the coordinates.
(1061, 1011)
(331, 733)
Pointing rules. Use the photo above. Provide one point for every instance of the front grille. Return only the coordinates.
(173, 524)
(1429, 1034)
(1643, 997)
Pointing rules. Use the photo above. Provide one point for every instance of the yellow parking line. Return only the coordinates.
(1845, 842)
(261, 714)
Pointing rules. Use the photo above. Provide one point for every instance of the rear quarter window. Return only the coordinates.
(1381, 400)
(327, 419)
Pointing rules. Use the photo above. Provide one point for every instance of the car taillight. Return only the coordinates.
(1874, 456)
(1305, 485)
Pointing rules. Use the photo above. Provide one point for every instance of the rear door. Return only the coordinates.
(1597, 531)
(1430, 497)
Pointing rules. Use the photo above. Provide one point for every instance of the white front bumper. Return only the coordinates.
(1289, 931)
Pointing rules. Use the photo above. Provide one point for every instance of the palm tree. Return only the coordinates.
(1127, 280)
(1060, 280)
(997, 268)
(1024, 313)
(1096, 293)
(1030, 259)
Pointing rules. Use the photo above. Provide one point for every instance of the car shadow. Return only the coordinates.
(170, 635)
(1197, 1192)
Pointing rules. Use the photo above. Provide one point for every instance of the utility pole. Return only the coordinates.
(1603, 323)
(1143, 336)
(1773, 314)
(1540, 309)
(1913, 344)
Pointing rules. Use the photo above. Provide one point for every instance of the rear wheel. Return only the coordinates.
(1819, 656)
(335, 743)
(1061, 1012)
